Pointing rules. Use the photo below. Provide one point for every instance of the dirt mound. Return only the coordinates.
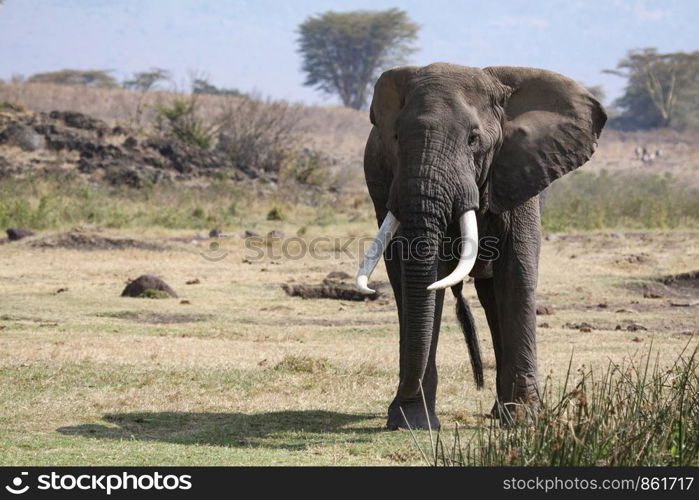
(542, 310)
(79, 240)
(18, 233)
(79, 120)
(642, 258)
(147, 286)
(336, 285)
(25, 138)
(683, 285)
(583, 326)
(686, 284)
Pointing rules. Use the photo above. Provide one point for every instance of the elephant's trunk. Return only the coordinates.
(419, 270)
(433, 191)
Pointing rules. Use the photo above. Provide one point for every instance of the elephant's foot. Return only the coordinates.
(413, 415)
(510, 413)
(523, 403)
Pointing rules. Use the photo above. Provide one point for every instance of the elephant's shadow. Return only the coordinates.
(282, 429)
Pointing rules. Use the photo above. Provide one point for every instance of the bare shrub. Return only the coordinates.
(257, 135)
(267, 138)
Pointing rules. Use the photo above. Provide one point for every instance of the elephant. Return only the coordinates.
(461, 154)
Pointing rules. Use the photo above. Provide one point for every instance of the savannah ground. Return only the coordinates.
(235, 371)
(244, 374)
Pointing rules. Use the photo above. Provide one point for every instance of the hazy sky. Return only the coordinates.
(250, 44)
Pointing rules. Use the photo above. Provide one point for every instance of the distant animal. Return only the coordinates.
(649, 157)
(458, 153)
(646, 156)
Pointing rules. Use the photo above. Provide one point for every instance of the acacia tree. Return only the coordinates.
(662, 90)
(146, 80)
(203, 86)
(345, 52)
(96, 78)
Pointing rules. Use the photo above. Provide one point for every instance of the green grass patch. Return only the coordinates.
(587, 201)
(42, 201)
(302, 364)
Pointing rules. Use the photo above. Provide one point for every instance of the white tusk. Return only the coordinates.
(378, 246)
(469, 252)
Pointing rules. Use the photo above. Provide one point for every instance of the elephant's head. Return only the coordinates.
(462, 140)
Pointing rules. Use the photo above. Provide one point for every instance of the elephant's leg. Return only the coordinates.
(486, 295)
(414, 408)
(515, 280)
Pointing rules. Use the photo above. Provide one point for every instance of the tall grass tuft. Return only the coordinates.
(636, 413)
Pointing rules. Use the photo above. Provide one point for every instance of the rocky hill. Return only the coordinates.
(108, 134)
(69, 140)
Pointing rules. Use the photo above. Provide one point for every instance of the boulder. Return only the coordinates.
(24, 137)
(138, 287)
(17, 233)
(78, 120)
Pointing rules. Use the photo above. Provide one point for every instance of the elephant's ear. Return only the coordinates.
(551, 127)
(389, 97)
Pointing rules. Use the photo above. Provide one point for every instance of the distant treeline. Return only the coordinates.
(143, 81)
(662, 90)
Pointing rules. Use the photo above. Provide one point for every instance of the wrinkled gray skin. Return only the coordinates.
(448, 139)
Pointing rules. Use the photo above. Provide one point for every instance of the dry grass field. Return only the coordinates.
(237, 372)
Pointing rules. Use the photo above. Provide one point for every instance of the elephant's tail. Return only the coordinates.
(468, 327)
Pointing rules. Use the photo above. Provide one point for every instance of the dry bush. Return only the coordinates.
(257, 135)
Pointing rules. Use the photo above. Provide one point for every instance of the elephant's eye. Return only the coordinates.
(473, 138)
